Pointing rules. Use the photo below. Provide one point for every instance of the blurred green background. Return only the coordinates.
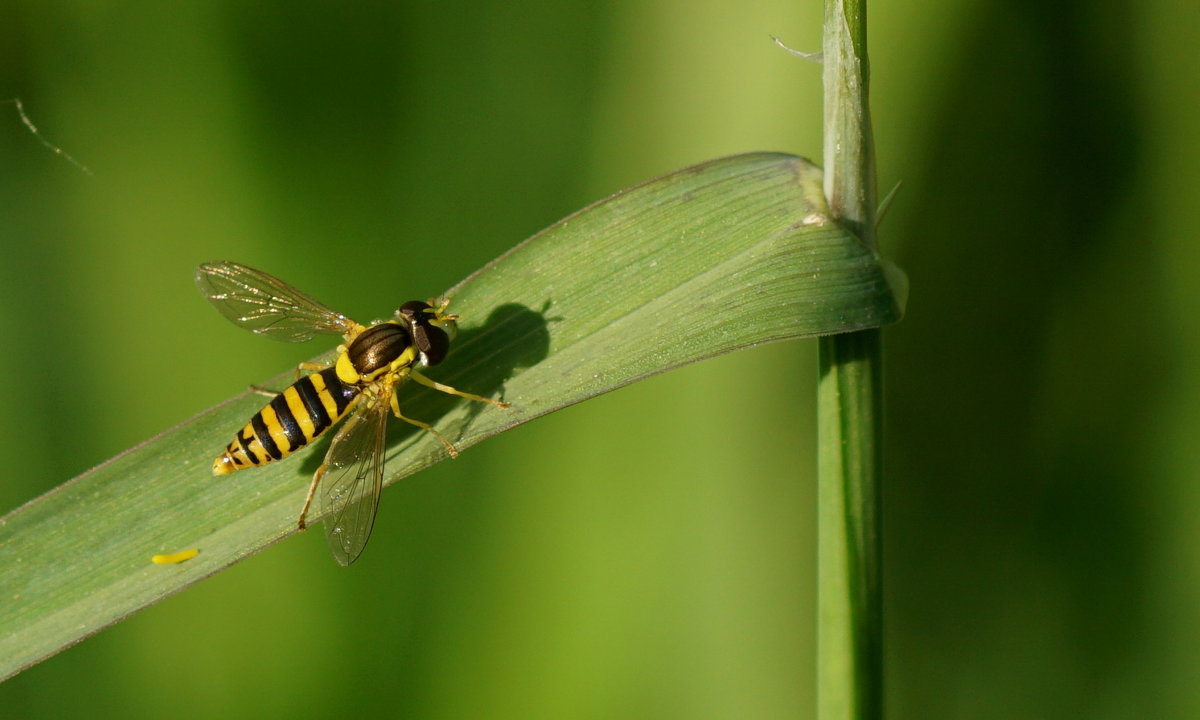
(648, 554)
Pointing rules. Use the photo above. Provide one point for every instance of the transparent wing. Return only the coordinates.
(349, 492)
(256, 301)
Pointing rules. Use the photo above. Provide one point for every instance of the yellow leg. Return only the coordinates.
(312, 491)
(452, 391)
(309, 367)
(425, 426)
(304, 367)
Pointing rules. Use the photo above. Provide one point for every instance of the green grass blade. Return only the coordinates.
(849, 394)
(720, 256)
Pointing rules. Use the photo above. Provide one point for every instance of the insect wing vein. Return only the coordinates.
(266, 305)
(350, 489)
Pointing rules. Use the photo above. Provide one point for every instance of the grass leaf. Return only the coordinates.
(713, 258)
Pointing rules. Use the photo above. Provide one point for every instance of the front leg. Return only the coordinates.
(454, 391)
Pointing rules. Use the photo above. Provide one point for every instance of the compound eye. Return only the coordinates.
(412, 310)
(432, 341)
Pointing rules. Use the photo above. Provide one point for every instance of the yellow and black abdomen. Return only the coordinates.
(293, 419)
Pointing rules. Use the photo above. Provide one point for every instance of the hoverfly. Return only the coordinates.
(361, 383)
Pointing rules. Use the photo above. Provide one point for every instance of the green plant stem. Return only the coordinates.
(849, 637)
(850, 632)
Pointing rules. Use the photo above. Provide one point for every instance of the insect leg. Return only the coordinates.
(304, 367)
(309, 367)
(425, 426)
(453, 391)
(312, 491)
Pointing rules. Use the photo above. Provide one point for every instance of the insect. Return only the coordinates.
(359, 385)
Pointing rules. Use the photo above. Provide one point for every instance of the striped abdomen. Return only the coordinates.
(293, 419)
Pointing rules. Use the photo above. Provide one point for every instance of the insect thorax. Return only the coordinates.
(377, 347)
